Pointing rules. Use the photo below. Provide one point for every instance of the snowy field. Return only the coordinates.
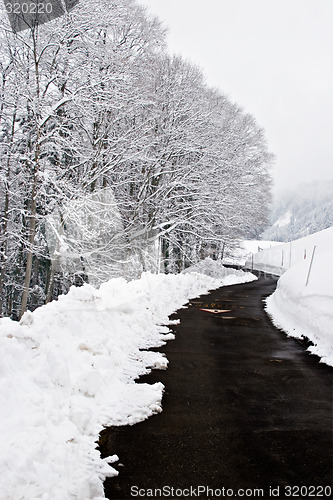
(302, 304)
(69, 368)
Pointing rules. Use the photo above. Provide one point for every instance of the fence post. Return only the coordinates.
(307, 279)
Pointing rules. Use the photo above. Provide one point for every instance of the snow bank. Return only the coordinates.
(69, 368)
(215, 269)
(279, 258)
(307, 311)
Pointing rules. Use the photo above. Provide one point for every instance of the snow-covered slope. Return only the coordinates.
(302, 304)
(69, 368)
(304, 210)
(279, 258)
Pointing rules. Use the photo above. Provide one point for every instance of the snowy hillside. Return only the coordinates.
(302, 211)
(302, 304)
(69, 368)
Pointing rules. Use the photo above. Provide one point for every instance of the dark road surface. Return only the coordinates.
(245, 408)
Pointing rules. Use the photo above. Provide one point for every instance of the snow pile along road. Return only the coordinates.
(280, 257)
(215, 269)
(307, 310)
(69, 368)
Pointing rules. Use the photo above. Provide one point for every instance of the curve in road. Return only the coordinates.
(245, 407)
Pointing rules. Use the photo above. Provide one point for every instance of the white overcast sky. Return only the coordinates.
(275, 59)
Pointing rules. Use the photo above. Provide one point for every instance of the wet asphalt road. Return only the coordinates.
(245, 407)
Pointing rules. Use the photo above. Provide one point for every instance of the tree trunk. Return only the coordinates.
(33, 205)
(28, 268)
(4, 222)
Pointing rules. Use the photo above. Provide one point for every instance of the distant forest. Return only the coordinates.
(302, 211)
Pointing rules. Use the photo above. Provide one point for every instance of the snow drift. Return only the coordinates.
(301, 308)
(215, 269)
(281, 257)
(69, 368)
(306, 311)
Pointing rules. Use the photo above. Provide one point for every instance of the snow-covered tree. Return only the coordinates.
(115, 157)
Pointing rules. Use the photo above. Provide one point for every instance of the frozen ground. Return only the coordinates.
(69, 368)
(303, 309)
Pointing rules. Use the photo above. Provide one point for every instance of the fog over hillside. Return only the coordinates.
(301, 211)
